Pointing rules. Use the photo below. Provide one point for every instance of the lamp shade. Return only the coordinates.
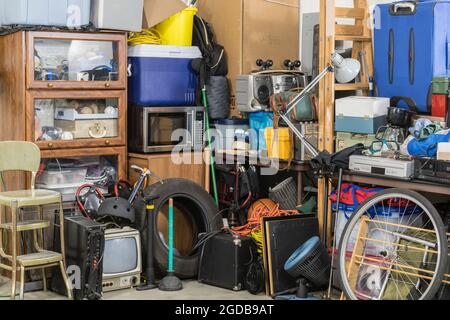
(346, 70)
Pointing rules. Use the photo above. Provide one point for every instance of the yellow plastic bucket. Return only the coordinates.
(279, 143)
(177, 30)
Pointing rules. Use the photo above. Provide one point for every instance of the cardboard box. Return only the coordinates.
(156, 11)
(253, 29)
(443, 151)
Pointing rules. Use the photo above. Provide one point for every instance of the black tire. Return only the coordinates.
(440, 229)
(200, 206)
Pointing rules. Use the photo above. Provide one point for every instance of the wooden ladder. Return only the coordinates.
(333, 29)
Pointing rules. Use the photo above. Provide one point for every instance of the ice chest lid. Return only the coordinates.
(158, 51)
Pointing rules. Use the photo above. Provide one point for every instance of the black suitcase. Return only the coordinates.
(225, 259)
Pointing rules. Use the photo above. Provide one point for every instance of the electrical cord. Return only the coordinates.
(147, 36)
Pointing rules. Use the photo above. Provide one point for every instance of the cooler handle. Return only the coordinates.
(448, 55)
(411, 56)
(129, 72)
(391, 56)
(403, 8)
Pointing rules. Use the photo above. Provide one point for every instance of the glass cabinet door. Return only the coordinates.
(67, 174)
(88, 62)
(64, 122)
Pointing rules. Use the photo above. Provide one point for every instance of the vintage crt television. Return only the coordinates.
(122, 260)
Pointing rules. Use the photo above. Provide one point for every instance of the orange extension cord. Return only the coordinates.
(260, 210)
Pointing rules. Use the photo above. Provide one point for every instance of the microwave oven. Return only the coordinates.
(161, 129)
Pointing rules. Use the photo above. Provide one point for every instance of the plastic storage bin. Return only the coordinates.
(279, 143)
(162, 75)
(259, 121)
(395, 216)
(61, 13)
(118, 14)
(227, 131)
(177, 30)
(62, 177)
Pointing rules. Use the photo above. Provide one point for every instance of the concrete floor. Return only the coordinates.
(192, 290)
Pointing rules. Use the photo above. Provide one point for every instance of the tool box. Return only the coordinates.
(441, 85)
(346, 140)
(311, 132)
(410, 48)
(225, 259)
(361, 114)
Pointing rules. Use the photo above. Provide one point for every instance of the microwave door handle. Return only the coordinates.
(190, 128)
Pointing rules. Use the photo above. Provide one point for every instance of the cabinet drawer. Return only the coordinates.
(76, 60)
(76, 119)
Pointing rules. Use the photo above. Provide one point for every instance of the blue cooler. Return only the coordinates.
(162, 75)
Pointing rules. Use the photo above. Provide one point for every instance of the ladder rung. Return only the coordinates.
(348, 30)
(351, 86)
(354, 38)
(351, 13)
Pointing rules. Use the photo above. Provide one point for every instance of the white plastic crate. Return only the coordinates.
(60, 13)
(118, 14)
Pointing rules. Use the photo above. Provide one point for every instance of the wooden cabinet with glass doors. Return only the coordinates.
(66, 92)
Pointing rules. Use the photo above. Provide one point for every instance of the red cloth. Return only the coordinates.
(351, 193)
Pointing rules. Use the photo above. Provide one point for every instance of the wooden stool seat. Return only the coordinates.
(39, 259)
(27, 225)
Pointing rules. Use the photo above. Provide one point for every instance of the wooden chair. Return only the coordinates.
(25, 156)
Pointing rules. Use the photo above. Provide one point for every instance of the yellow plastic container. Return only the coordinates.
(177, 30)
(279, 143)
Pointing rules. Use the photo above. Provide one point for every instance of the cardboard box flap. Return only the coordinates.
(157, 11)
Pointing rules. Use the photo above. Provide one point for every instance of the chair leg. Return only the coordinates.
(66, 280)
(14, 251)
(44, 280)
(22, 282)
(13, 282)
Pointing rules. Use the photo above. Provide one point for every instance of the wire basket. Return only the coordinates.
(285, 194)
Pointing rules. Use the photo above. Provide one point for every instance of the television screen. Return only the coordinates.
(120, 256)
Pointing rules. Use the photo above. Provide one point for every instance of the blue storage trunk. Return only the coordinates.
(162, 75)
(411, 46)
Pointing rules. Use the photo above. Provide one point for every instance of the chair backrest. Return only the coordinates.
(19, 156)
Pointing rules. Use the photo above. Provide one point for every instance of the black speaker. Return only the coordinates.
(225, 259)
(84, 244)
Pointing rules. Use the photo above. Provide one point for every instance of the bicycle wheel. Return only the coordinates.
(394, 247)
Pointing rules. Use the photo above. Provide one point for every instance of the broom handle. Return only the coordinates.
(208, 135)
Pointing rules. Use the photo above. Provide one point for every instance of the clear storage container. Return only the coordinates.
(62, 177)
(61, 13)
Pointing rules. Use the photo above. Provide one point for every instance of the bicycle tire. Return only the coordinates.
(435, 218)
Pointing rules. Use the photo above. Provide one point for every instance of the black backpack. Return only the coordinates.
(214, 55)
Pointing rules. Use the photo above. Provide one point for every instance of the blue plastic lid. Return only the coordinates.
(302, 253)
